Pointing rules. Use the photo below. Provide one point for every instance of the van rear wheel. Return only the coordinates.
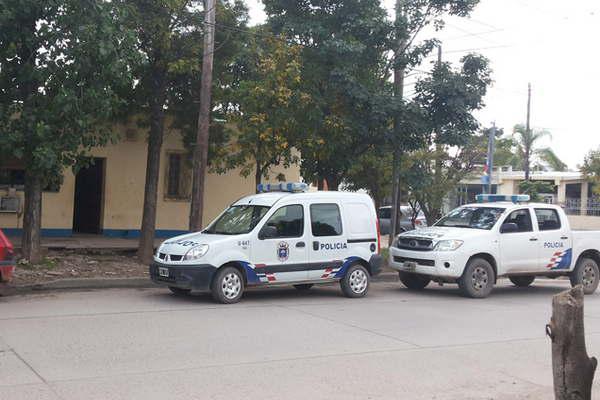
(356, 281)
(413, 281)
(586, 273)
(522, 281)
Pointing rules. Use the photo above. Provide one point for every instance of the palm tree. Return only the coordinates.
(526, 144)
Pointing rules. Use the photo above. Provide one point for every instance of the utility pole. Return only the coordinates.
(528, 131)
(399, 71)
(200, 152)
(490, 155)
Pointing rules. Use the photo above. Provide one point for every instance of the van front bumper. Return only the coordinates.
(441, 264)
(193, 277)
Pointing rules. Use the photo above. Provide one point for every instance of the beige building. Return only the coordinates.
(107, 198)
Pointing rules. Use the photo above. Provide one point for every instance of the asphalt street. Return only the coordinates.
(282, 344)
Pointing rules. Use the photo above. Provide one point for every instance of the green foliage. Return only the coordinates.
(591, 169)
(263, 125)
(371, 171)
(531, 156)
(535, 188)
(62, 66)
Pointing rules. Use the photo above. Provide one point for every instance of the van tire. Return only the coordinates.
(303, 287)
(414, 281)
(477, 280)
(355, 282)
(586, 273)
(522, 281)
(179, 291)
(227, 286)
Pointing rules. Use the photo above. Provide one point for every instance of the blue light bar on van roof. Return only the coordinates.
(490, 198)
(282, 187)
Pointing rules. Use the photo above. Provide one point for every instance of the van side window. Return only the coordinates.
(325, 220)
(548, 219)
(522, 218)
(288, 220)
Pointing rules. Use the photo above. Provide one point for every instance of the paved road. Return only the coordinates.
(281, 344)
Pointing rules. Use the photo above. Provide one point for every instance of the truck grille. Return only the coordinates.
(409, 243)
(418, 261)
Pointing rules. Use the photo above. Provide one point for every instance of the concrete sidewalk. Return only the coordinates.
(85, 241)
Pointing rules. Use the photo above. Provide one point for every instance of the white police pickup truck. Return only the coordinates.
(504, 237)
(282, 236)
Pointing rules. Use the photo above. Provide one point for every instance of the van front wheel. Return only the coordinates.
(227, 286)
(356, 281)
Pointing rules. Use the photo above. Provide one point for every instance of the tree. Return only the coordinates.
(343, 55)
(526, 149)
(264, 123)
(591, 169)
(371, 171)
(535, 188)
(62, 65)
(169, 36)
(448, 99)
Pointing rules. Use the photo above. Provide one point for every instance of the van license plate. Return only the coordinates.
(162, 271)
(410, 266)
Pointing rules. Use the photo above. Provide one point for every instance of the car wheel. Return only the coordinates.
(179, 291)
(304, 286)
(414, 281)
(227, 286)
(356, 281)
(522, 281)
(477, 280)
(586, 273)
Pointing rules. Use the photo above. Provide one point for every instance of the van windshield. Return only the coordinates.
(471, 217)
(237, 220)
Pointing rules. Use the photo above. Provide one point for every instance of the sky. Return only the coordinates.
(548, 43)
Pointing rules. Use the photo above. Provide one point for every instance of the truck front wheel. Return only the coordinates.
(413, 281)
(586, 273)
(477, 280)
(522, 281)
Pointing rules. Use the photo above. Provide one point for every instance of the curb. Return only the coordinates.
(115, 283)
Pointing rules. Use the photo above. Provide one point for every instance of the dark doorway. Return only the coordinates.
(89, 184)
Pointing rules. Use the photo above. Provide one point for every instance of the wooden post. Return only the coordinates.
(573, 370)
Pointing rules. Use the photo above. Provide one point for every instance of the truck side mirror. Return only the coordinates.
(267, 232)
(509, 227)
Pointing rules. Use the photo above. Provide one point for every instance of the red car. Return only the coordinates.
(7, 261)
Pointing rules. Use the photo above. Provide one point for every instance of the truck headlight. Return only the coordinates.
(448, 245)
(196, 252)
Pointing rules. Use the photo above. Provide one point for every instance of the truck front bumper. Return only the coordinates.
(437, 264)
(193, 277)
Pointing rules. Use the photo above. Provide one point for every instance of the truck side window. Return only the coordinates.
(548, 219)
(289, 221)
(325, 220)
(522, 218)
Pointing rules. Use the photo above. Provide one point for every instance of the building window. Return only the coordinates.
(178, 177)
(14, 178)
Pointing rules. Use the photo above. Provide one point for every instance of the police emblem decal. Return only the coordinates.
(283, 251)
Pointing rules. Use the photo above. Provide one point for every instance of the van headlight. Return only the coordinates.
(196, 252)
(448, 245)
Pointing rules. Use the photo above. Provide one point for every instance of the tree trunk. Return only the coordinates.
(573, 370)
(257, 176)
(201, 147)
(320, 183)
(333, 182)
(155, 139)
(32, 218)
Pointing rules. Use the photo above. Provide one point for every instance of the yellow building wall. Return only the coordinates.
(124, 180)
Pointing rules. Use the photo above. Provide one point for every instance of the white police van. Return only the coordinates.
(501, 236)
(283, 235)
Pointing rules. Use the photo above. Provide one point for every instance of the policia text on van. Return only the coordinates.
(281, 236)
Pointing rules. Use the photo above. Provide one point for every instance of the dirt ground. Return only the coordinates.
(80, 264)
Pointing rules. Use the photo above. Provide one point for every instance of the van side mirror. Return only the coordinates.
(267, 232)
(509, 227)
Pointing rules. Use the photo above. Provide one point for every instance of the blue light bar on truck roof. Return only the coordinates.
(282, 187)
(490, 198)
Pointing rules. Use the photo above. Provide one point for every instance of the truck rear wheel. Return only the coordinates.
(227, 286)
(586, 273)
(522, 281)
(413, 281)
(477, 280)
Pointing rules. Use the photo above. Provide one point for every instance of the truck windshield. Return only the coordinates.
(472, 217)
(237, 220)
